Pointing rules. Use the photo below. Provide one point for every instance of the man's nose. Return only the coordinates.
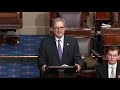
(58, 29)
(112, 56)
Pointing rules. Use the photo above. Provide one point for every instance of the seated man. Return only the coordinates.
(59, 49)
(112, 68)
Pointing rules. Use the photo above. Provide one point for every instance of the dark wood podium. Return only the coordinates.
(60, 70)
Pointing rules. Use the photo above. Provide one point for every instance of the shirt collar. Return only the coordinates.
(109, 65)
(62, 38)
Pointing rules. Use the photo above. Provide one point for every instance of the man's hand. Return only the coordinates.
(43, 68)
(78, 67)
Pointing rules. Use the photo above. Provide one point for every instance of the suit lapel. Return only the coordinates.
(54, 49)
(117, 70)
(66, 43)
(105, 70)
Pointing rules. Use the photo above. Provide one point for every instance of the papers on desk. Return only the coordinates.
(61, 67)
(86, 28)
(105, 25)
(64, 65)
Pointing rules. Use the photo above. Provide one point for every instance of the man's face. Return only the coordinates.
(112, 56)
(59, 29)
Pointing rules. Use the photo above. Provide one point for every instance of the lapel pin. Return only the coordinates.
(67, 44)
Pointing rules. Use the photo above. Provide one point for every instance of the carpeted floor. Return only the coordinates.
(19, 70)
(21, 67)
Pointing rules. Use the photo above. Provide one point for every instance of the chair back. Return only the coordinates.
(72, 19)
(85, 45)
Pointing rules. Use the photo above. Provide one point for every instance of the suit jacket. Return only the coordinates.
(49, 53)
(102, 70)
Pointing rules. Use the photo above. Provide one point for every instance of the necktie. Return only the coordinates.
(59, 50)
(112, 72)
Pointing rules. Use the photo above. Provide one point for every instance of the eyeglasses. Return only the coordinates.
(58, 28)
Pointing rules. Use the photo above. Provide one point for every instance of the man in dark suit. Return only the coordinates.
(49, 54)
(112, 68)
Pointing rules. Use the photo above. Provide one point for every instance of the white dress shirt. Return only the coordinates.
(61, 42)
(110, 69)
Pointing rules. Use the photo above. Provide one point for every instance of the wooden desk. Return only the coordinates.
(110, 30)
(103, 15)
(9, 40)
(10, 21)
(111, 37)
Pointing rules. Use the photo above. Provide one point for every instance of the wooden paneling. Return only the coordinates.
(10, 20)
(119, 17)
(103, 16)
(111, 38)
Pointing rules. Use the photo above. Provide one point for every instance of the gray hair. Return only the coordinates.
(55, 20)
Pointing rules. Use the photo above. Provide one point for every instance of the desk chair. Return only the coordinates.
(91, 56)
(72, 19)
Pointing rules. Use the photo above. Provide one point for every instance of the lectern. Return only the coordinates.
(60, 70)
